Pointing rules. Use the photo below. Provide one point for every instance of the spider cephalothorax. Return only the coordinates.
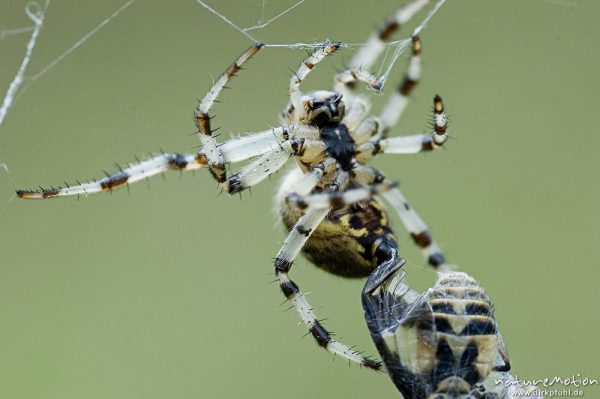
(327, 200)
(322, 108)
(325, 110)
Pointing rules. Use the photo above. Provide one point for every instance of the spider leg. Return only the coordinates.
(399, 99)
(257, 170)
(417, 228)
(133, 173)
(348, 77)
(412, 222)
(255, 144)
(262, 167)
(410, 144)
(368, 129)
(336, 199)
(290, 249)
(368, 54)
(232, 151)
(309, 181)
(357, 109)
(305, 68)
(216, 164)
(367, 175)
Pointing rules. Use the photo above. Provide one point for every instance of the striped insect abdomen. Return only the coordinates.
(460, 322)
(442, 344)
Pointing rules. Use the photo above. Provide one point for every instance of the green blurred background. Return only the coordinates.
(166, 292)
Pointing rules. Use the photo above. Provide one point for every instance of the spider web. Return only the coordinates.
(37, 13)
(394, 48)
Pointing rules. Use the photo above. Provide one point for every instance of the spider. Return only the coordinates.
(327, 201)
(442, 344)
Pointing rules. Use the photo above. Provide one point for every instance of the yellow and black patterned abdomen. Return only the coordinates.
(347, 241)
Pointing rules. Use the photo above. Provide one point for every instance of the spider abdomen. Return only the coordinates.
(346, 242)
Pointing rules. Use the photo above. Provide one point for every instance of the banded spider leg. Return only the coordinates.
(214, 157)
(345, 82)
(317, 207)
(366, 56)
(275, 144)
(269, 143)
(413, 223)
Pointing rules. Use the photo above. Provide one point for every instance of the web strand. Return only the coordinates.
(15, 90)
(227, 20)
(422, 25)
(81, 41)
(262, 25)
(13, 93)
(397, 47)
(36, 15)
(15, 31)
(4, 167)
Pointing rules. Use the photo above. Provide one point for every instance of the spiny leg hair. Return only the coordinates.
(241, 149)
(211, 154)
(134, 173)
